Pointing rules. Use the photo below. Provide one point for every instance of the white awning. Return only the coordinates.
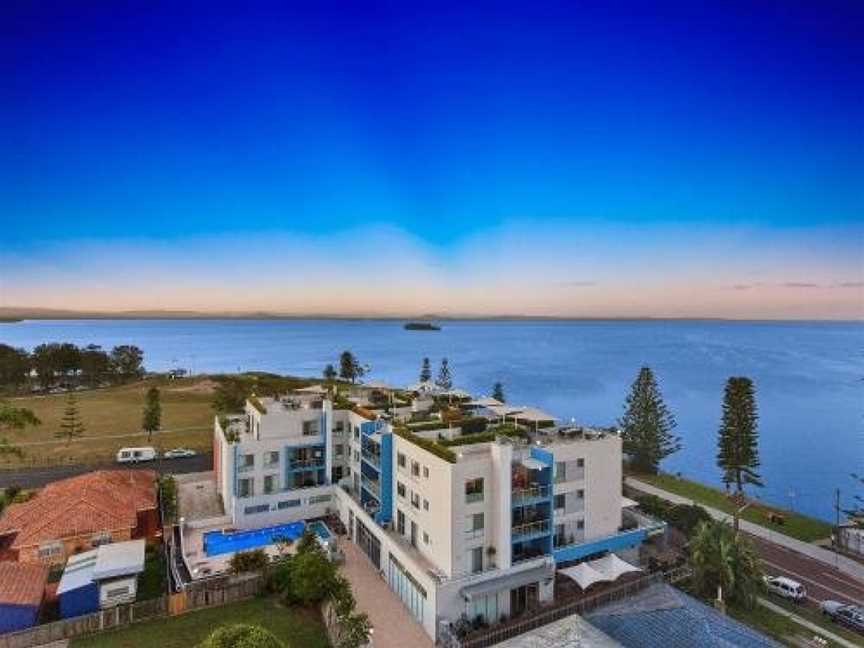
(532, 414)
(606, 569)
(612, 566)
(424, 387)
(585, 575)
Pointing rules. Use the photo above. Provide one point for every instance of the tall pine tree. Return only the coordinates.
(445, 378)
(425, 371)
(71, 426)
(738, 441)
(498, 392)
(647, 424)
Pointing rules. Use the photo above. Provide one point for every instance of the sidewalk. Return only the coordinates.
(393, 625)
(843, 564)
(822, 632)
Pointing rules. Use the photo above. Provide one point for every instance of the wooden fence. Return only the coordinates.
(196, 596)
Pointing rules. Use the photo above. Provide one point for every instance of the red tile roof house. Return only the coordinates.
(22, 588)
(77, 514)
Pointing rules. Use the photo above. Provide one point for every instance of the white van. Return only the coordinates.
(786, 587)
(134, 455)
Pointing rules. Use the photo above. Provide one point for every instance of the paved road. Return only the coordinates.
(821, 581)
(825, 556)
(38, 476)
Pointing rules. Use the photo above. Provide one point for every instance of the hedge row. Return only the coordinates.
(427, 444)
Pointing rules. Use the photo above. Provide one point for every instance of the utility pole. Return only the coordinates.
(837, 528)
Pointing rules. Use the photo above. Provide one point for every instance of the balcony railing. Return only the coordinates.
(530, 530)
(470, 498)
(533, 493)
(315, 462)
(372, 458)
(245, 467)
(372, 486)
(566, 540)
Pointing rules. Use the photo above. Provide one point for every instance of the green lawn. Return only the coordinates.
(797, 526)
(187, 420)
(297, 628)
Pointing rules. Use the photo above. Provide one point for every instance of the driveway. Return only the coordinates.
(394, 626)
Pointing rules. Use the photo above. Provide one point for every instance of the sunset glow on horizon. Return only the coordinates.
(558, 160)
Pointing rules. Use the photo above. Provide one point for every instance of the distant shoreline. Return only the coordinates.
(18, 315)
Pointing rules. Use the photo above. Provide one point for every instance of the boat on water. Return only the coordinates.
(421, 326)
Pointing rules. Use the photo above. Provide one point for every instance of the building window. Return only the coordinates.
(400, 489)
(271, 484)
(580, 494)
(425, 538)
(415, 500)
(247, 462)
(476, 560)
(400, 522)
(356, 432)
(580, 463)
(339, 427)
(286, 504)
(474, 490)
(319, 499)
(415, 469)
(425, 505)
(476, 523)
(400, 460)
(560, 501)
(560, 471)
(258, 508)
(580, 524)
(426, 472)
(338, 450)
(245, 488)
(310, 428)
(117, 592)
(50, 549)
(271, 458)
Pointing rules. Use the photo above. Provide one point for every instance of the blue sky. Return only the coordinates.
(137, 132)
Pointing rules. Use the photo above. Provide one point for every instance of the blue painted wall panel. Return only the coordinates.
(385, 514)
(17, 617)
(612, 543)
(83, 600)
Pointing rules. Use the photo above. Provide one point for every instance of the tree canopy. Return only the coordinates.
(721, 558)
(738, 438)
(647, 424)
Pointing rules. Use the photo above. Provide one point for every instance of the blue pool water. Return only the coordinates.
(320, 529)
(220, 542)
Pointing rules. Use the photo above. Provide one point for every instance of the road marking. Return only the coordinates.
(842, 595)
(846, 582)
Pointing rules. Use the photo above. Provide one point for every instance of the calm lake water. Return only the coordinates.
(808, 375)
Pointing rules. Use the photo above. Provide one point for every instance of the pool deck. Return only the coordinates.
(201, 565)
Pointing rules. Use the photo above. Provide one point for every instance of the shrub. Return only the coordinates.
(427, 444)
(255, 560)
(687, 517)
(241, 635)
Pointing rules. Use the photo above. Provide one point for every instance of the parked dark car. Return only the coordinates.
(847, 615)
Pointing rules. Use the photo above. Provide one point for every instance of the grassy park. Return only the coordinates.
(296, 627)
(795, 525)
(112, 419)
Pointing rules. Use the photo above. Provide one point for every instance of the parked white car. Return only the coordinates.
(135, 455)
(178, 453)
(786, 587)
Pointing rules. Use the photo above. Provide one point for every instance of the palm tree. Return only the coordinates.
(725, 564)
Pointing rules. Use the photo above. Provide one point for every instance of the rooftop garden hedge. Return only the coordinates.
(427, 444)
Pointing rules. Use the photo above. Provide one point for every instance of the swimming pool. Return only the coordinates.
(221, 542)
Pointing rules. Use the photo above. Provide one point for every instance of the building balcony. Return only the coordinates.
(576, 475)
(531, 530)
(371, 458)
(306, 464)
(559, 541)
(530, 495)
(371, 485)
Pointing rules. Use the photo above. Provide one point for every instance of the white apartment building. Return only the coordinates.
(474, 529)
